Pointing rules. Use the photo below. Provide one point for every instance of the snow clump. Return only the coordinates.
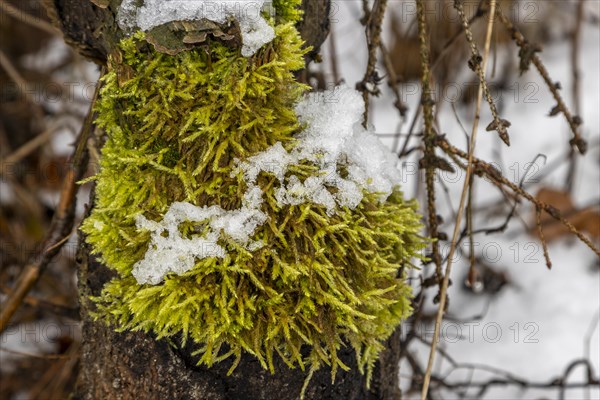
(170, 252)
(255, 30)
(333, 138)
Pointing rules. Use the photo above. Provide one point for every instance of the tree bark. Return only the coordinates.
(134, 365)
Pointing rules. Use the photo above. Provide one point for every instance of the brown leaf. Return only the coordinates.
(101, 3)
(586, 220)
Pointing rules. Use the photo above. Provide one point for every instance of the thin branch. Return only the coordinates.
(373, 27)
(498, 124)
(472, 275)
(483, 168)
(55, 308)
(588, 341)
(576, 87)
(32, 355)
(528, 55)
(22, 85)
(504, 378)
(448, 45)
(334, 57)
(26, 18)
(538, 219)
(28, 147)
(463, 198)
(60, 228)
(393, 83)
(429, 135)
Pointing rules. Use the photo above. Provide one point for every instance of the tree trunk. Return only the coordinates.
(134, 365)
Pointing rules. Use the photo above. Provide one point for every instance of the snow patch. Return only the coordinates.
(170, 252)
(333, 140)
(255, 30)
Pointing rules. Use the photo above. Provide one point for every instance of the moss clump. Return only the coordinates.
(175, 125)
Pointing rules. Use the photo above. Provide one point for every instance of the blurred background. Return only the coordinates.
(518, 331)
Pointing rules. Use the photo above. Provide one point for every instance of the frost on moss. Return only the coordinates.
(179, 129)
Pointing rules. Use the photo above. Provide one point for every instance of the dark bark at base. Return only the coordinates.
(134, 365)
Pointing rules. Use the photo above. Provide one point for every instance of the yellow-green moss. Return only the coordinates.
(175, 124)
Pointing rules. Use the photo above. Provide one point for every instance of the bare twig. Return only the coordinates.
(22, 85)
(575, 49)
(528, 55)
(373, 27)
(51, 384)
(333, 56)
(538, 218)
(498, 124)
(393, 83)
(32, 355)
(450, 42)
(55, 308)
(428, 161)
(588, 341)
(12, 72)
(463, 198)
(483, 168)
(508, 379)
(60, 228)
(435, 62)
(472, 276)
(28, 19)
(28, 147)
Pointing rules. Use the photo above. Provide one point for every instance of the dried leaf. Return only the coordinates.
(586, 220)
(195, 37)
(101, 3)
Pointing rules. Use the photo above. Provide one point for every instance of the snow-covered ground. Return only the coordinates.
(545, 319)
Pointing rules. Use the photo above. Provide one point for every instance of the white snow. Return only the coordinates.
(32, 338)
(274, 160)
(333, 137)
(170, 252)
(545, 317)
(7, 193)
(255, 30)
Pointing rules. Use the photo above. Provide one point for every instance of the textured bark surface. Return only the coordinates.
(134, 365)
(94, 33)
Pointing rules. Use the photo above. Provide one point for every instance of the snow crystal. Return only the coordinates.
(333, 139)
(255, 30)
(239, 224)
(334, 130)
(274, 160)
(170, 252)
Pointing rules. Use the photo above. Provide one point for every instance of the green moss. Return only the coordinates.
(175, 124)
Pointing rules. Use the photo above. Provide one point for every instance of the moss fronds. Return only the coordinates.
(176, 126)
